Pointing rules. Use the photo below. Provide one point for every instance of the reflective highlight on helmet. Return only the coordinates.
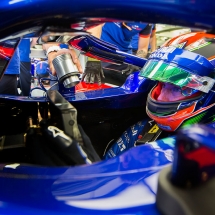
(194, 120)
(174, 121)
(170, 73)
(188, 63)
(185, 91)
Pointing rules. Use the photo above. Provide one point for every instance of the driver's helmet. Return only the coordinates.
(185, 69)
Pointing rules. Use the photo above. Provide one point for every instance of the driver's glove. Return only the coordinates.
(93, 71)
(130, 68)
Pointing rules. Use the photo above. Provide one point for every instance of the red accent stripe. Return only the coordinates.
(211, 58)
(144, 36)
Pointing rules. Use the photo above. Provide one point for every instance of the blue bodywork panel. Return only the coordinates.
(37, 13)
(123, 185)
(129, 95)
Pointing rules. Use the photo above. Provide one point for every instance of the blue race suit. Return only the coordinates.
(42, 69)
(129, 138)
(24, 50)
(25, 67)
(135, 39)
(119, 35)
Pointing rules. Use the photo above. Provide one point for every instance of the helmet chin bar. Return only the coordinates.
(167, 108)
(171, 115)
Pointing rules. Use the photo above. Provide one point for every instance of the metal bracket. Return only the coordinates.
(68, 114)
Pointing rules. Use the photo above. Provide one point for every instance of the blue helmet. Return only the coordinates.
(187, 62)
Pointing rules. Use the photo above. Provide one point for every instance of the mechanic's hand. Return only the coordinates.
(54, 54)
(130, 69)
(93, 72)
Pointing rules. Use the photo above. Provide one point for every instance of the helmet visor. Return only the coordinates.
(160, 70)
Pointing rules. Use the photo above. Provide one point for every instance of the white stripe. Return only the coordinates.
(155, 69)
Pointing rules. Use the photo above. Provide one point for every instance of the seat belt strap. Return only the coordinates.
(149, 133)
